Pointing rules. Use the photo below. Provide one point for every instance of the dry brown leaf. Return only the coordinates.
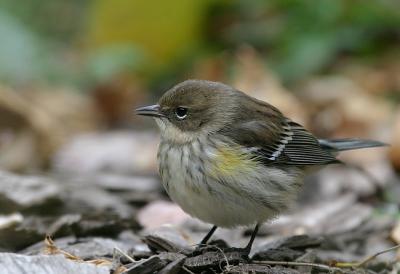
(253, 77)
(35, 123)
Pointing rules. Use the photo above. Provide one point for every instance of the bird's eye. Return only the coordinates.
(181, 112)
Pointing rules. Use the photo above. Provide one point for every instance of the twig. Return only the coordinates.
(319, 266)
(117, 250)
(187, 270)
(335, 266)
(223, 254)
(367, 259)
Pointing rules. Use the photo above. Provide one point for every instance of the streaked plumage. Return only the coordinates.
(223, 184)
(230, 159)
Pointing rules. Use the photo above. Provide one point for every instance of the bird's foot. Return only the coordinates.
(210, 247)
(219, 246)
(216, 258)
(236, 252)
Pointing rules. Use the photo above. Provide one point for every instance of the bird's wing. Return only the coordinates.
(280, 141)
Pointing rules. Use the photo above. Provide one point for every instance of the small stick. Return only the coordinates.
(187, 270)
(336, 265)
(117, 250)
(367, 259)
(223, 254)
(320, 266)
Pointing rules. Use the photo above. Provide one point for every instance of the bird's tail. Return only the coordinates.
(348, 144)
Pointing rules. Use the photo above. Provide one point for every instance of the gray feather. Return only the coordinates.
(348, 144)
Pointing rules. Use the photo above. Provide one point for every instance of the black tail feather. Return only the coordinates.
(349, 144)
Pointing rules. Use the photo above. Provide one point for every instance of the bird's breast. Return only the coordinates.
(203, 160)
(181, 164)
(221, 183)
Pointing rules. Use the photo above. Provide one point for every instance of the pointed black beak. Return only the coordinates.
(153, 111)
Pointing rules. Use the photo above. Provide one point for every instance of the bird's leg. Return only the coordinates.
(203, 244)
(235, 252)
(253, 236)
(240, 252)
(208, 236)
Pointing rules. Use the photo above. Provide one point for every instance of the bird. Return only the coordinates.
(232, 160)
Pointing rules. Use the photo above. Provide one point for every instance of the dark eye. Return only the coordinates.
(181, 112)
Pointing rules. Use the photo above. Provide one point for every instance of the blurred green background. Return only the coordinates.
(83, 43)
(77, 66)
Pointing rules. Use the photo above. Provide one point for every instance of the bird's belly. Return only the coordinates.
(216, 209)
(224, 199)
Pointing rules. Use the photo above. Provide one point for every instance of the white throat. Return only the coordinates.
(170, 132)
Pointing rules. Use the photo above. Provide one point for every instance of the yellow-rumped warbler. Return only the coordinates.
(229, 159)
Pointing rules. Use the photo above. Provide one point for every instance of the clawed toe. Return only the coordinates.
(233, 252)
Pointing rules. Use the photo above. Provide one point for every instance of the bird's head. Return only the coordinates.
(192, 108)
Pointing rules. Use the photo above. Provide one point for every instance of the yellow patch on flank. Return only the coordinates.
(230, 161)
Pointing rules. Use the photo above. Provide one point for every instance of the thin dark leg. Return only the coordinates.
(253, 236)
(208, 236)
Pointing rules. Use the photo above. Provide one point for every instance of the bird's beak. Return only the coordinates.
(153, 110)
